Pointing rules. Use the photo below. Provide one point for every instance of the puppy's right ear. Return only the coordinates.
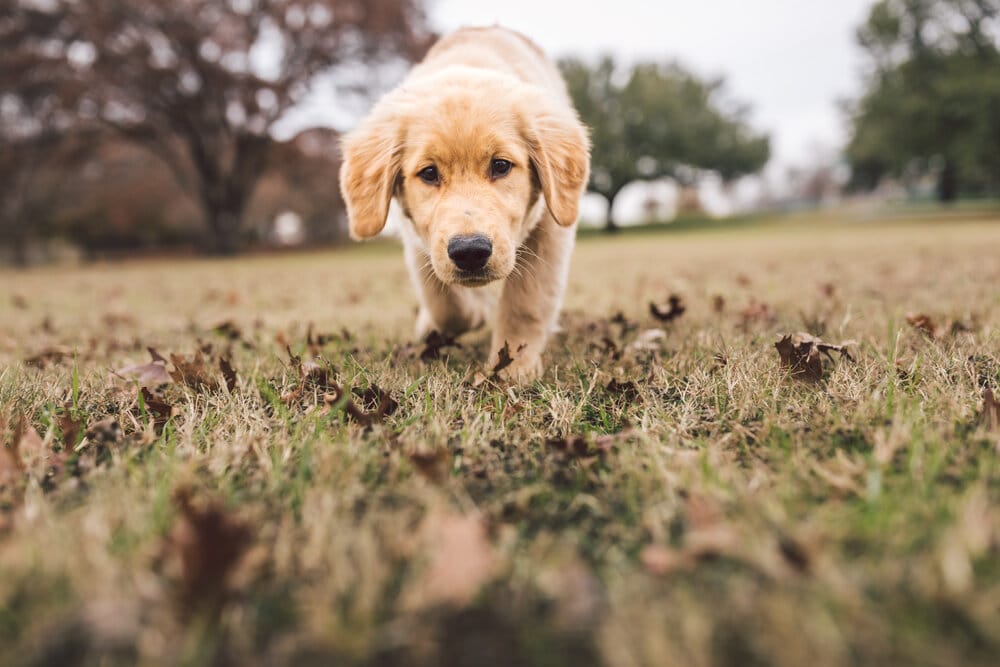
(372, 155)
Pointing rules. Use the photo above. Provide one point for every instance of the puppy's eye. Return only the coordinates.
(500, 168)
(429, 175)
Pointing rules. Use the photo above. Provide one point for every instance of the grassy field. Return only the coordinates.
(669, 494)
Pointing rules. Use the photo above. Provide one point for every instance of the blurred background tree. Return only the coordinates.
(655, 120)
(932, 104)
(199, 84)
(37, 95)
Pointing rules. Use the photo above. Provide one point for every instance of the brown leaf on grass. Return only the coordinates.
(152, 375)
(718, 303)
(228, 374)
(922, 323)
(434, 343)
(757, 312)
(206, 543)
(628, 390)
(71, 429)
(376, 400)
(673, 309)
(25, 442)
(158, 408)
(989, 419)
(228, 330)
(578, 446)
(48, 356)
(194, 373)
(461, 560)
(504, 359)
(435, 465)
(803, 354)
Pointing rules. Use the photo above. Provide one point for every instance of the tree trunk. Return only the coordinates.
(225, 224)
(948, 183)
(611, 227)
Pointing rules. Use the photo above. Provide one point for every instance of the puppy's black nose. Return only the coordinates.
(470, 253)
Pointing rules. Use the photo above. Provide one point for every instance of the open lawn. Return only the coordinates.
(669, 494)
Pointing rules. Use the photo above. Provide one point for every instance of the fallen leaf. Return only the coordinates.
(152, 375)
(628, 390)
(207, 543)
(434, 343)
(71, 429)
(228, 373)
(718, 303)
(504, 359)
(922, 323)
(158, 408)
(990, 417)
(50, 355)
(435, 465)
(803, 354)
(757, 311)
(674, 309)
(461, 560)
(194, 373)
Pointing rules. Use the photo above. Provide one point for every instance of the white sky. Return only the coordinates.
(792, 60)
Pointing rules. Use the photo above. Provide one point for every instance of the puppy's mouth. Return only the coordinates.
(476, 278)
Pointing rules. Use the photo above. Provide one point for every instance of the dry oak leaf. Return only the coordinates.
(990, 417)
(803, 354)
(194, 373)
(922, 323)
(671, 311)
(207, 544)
(461, 560)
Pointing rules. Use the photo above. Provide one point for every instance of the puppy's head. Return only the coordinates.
(467, 154)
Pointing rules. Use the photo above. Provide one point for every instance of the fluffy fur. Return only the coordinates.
(480, 95)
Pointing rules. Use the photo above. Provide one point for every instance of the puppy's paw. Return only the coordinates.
(523, 368)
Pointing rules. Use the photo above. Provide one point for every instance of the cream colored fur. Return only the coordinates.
(481, 94)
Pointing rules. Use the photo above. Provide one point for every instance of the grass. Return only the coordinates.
(715, 511)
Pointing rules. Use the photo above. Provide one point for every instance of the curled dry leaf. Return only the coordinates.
(206, 544)
(228, 374)
(803, 354)
(923, 323)
(151, 375)
(669, 312)
(435, 464)
(990, 417)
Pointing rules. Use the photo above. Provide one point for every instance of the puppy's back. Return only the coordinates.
(494, 48)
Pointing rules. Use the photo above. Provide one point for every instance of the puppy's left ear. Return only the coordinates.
(560, 151)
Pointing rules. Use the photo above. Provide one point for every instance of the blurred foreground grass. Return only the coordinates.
(667, 495)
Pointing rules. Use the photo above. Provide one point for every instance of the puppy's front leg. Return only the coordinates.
(448, 309)
(532, 296)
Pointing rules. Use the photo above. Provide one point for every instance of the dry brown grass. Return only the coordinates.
(714, 511)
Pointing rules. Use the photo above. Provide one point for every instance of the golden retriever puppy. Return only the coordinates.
(483, 153)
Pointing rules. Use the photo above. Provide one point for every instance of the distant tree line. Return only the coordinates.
(932, 101)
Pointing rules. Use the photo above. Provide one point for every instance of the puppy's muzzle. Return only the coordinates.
(470, 253)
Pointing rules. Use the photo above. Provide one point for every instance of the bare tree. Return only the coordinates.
(201, 83)
(36, 90)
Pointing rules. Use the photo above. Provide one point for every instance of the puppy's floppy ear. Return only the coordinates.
(560, 151)
(371, 166)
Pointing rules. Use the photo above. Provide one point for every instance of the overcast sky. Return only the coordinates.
(791, 59)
